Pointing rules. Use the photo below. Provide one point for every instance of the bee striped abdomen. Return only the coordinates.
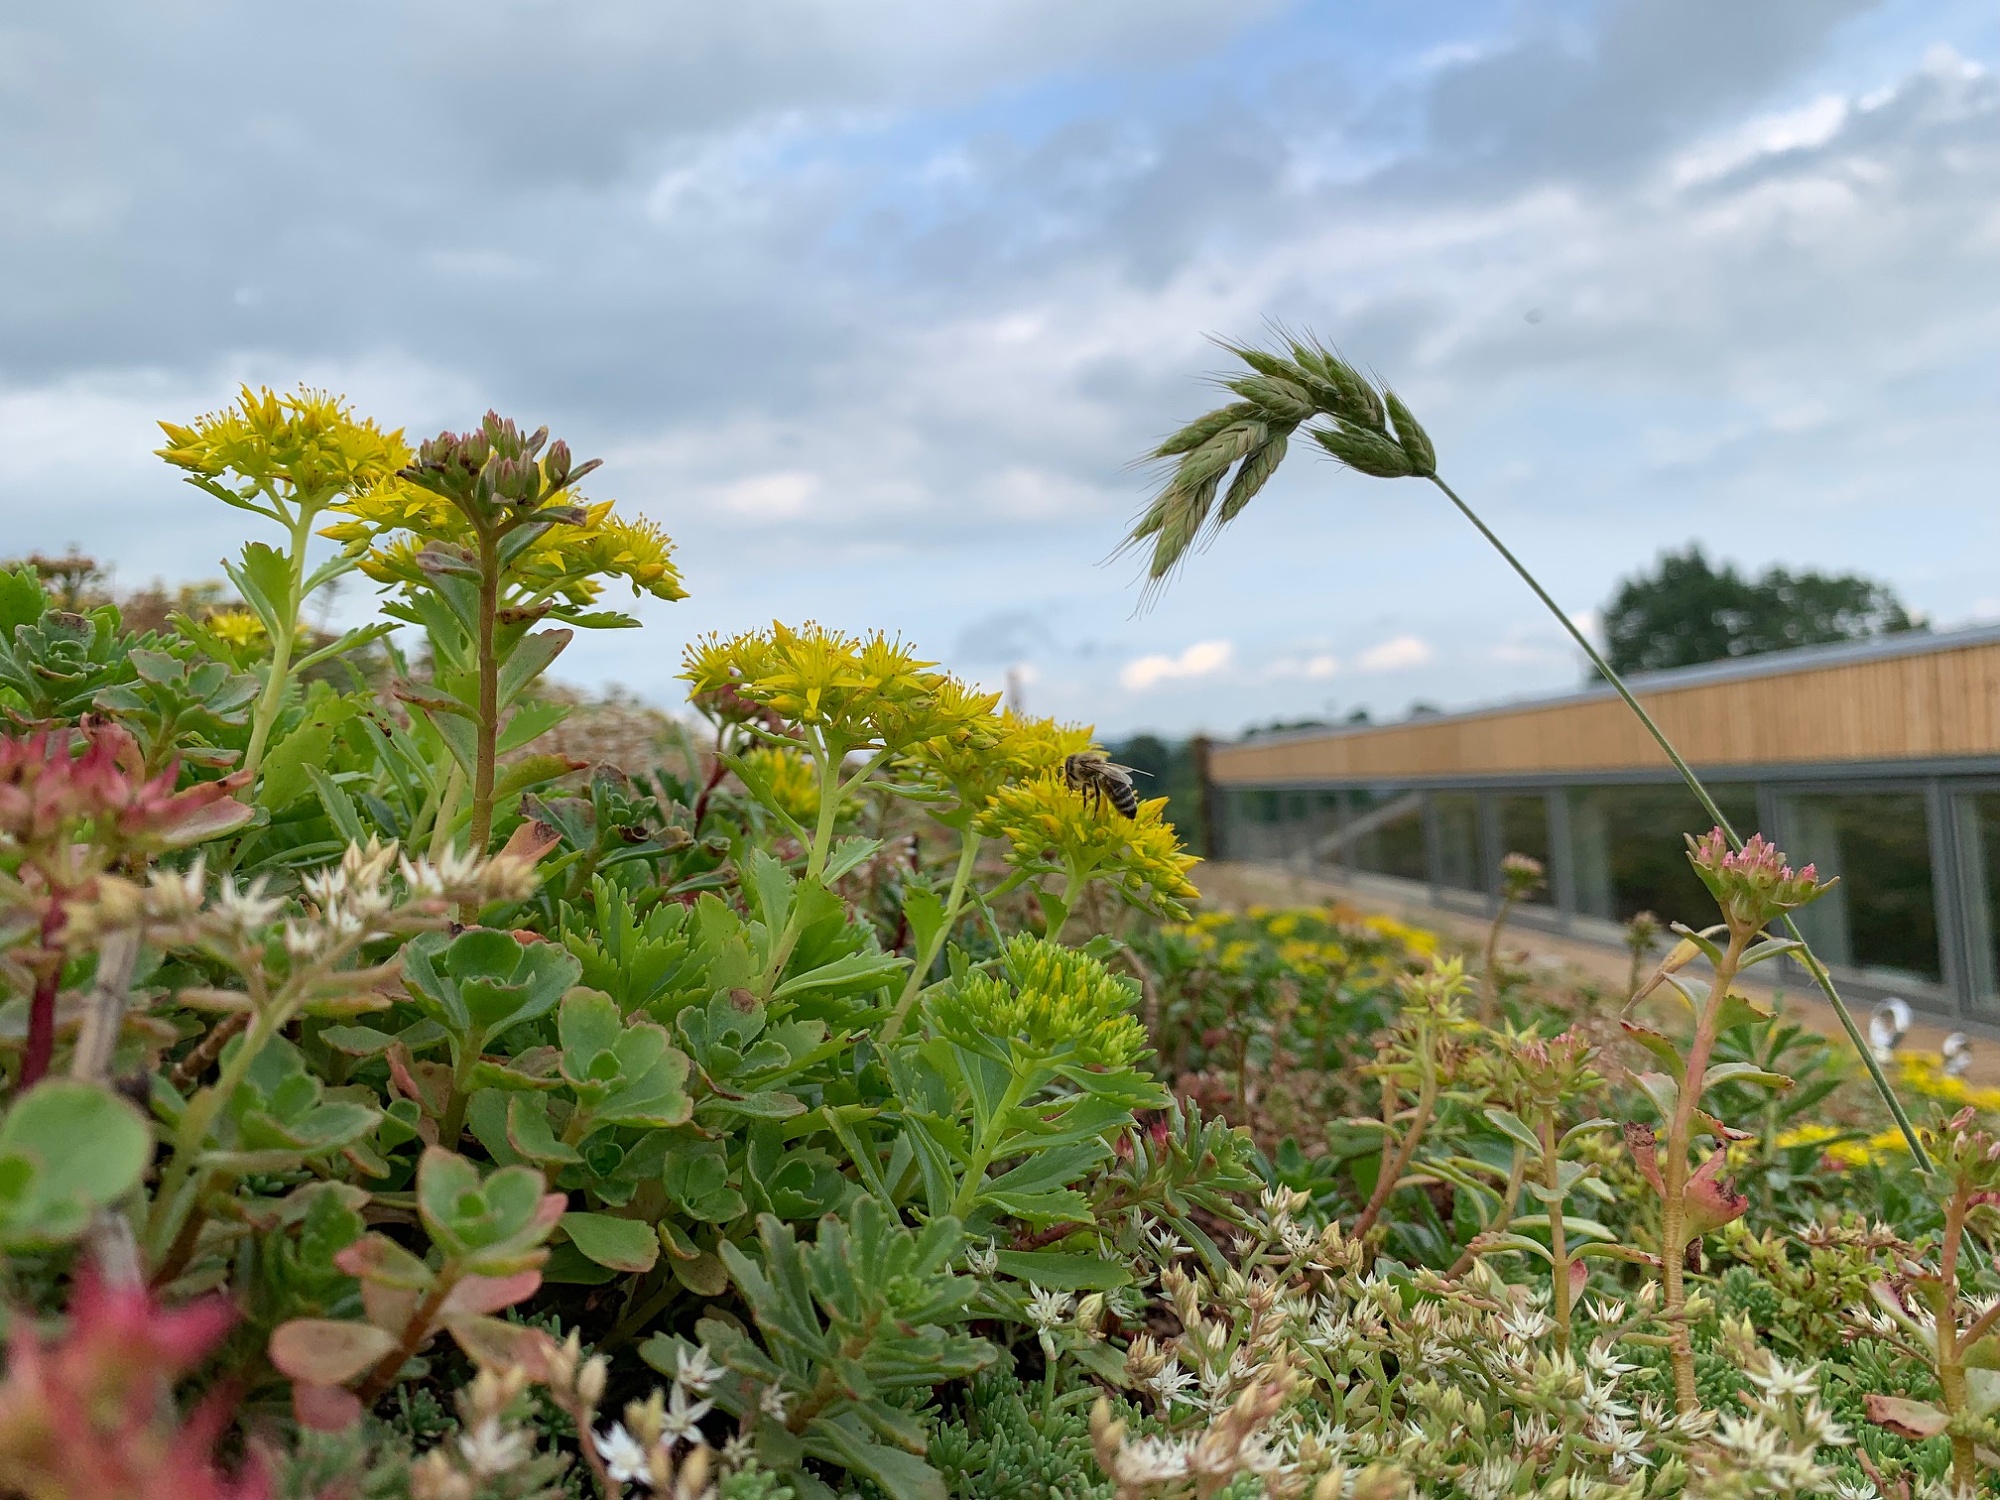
(1099, 780)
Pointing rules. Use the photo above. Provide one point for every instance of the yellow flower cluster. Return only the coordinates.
(1923, 1073)
(1056, 1002)
(1418, 940)
(306, 446)
(1849, 1153)
(389, 527)
(784, 778)
(981, 753)
(1315, 942)
(854, 691)
(1050, 826)
(238, 627)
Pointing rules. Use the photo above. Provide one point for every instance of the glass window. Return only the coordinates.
(1629, 853)
(1385, 835)
(1457, 817)
(1979, 846)
(1880, 918)
(1523, 825)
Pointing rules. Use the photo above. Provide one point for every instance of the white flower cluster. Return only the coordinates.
(1455, 1387)
(646, 1448)
(339, 907)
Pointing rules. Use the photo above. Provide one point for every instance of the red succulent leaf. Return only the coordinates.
(1642, 1143)
(325, 1408)
(499, 1345)
(1914, 1420)
(328, 1351)
(1711, 1203)
(477, 1295)
(531, 841)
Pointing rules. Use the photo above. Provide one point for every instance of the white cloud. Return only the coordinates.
(872, 322)
(1202, 659)
(771, 497)
(1397, 654)
(1799, 129)
(1314, 668)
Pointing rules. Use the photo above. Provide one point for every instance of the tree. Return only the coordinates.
(1685, 611)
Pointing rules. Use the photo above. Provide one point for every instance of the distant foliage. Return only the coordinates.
(1685, 611)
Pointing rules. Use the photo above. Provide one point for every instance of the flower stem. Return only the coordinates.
(1397, 1164)
(829, 810)
(173, 1202)
(1073, 885)
(487, 727)
(1489, 978)
(1674, 1174)
(264, 717)
(48, 966)
(1502, 1217)
(452, 1127)
(968, 852)
(989, 1145)
(1806, 956)
(1558, 1240)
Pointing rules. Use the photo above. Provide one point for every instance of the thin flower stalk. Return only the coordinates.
(954, 902)
(1369, 429)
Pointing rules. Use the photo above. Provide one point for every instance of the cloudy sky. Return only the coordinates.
(872, 303)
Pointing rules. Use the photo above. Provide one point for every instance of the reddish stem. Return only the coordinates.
(42, 1008)
(715, 776)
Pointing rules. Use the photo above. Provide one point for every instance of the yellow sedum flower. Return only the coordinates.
(1417, 939)
(852, 691)
(786, 780)
(305, 446)
(1055, 1002)
(1923, 1073)
(389, 528)
(238, 627)
(1879, 1147)
(1050, 826)
(971, 760)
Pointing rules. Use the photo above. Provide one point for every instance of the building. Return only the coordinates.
(1879, 761)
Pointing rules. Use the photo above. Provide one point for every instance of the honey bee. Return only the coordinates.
(1101, 780)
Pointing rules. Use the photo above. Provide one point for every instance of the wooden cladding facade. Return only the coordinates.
(1924, 698)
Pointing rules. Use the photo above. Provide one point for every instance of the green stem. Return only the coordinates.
(271, 701)
(1694, 784)
(1950, 1361)
(1558, 1240)
(1073, 885)
(638, 1315)
(1397, 1164)
(988, 1147)
(452, 1127)
(172, 1202)
(1517, 1175)
(829, 810)
(968, 852)
(1674, 1176)
(827, 761)
(488, 725)
(1489, 981)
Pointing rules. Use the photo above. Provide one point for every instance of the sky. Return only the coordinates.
(874, 304)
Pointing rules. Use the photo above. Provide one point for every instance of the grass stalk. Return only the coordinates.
(1806, 956)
